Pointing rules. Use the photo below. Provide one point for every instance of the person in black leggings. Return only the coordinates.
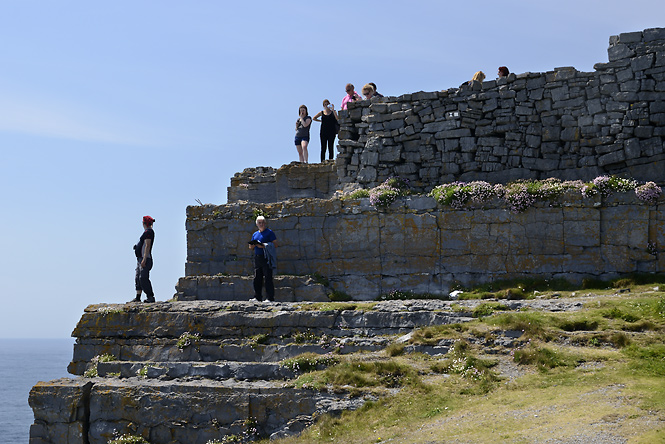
(328, 118)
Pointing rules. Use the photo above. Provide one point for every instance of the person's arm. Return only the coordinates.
(306, 122)
(316, 117)
(148, 247)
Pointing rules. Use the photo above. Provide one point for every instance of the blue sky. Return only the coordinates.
(113, 110)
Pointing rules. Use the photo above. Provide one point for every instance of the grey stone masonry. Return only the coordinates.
(418, 245)
(267, 184)
(562, 123)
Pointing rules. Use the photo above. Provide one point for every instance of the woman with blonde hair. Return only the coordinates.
(479, 76)
(368, 91)
(303, 124)
(329, 124)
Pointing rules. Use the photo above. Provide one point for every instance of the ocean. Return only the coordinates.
(24, 362)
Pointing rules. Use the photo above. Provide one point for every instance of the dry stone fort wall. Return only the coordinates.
(564, 123)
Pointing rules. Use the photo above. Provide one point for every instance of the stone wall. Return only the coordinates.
(563, 123)
(417, 245)
(292, 181)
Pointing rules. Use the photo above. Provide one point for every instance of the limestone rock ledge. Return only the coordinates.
(90, 410)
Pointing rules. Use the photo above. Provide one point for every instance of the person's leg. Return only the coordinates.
(299, 149)
(324, 139)
(331, 146)
(137, 282)
(258, 277)
(304, 144)
(270, 288)
(146, 285)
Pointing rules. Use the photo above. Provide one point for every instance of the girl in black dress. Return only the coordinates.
(328, 118)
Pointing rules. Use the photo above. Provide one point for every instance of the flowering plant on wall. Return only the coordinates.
(518, 196)
(386, 193)
(522, 194)
(649, 192)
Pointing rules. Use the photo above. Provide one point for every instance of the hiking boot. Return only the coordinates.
(150, 299)
(136, 299)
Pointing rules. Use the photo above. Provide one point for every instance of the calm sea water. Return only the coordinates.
(24, 362)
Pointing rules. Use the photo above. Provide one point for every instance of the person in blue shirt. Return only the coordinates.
(263, 243)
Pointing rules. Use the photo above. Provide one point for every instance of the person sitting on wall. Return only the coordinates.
(376, 93)
(351, 95)
(303, 124)
(264, 243)
(329, 127)
(368, 91)
(503, 71)
(479, 76)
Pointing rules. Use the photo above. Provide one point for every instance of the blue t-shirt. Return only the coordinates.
(263, 236)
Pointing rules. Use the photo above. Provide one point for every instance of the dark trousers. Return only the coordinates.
(329, 140)
(142, 278)
(262, 270)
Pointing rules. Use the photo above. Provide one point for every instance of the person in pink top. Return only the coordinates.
(351, 95)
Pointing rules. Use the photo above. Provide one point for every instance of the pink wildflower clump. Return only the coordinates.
(649, 192)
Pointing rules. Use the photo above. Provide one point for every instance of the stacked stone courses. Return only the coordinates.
(417, 245)
(563, 123)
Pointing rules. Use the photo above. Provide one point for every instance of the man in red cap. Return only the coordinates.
(143, 251)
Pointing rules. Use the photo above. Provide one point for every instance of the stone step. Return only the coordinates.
(205, 352)
(270, 369)
(168, 370)
(216, 319)
(192, 412)
(288, 288)
(242, 331)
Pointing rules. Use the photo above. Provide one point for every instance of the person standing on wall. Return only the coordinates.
(329, 127)
(303, 125)
(376, 93)
(143, 252)
(264, 244)
(351, 95)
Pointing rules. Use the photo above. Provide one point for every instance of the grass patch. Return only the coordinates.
(306, 337)
(259, 339)
(545, 358)
(308, 362)
(434, 334)
(339, 296)
(357, 194)
(129, 439)
(603, 364)
(488, 308)
(338, 306)
(395, 350)
(402, 295)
